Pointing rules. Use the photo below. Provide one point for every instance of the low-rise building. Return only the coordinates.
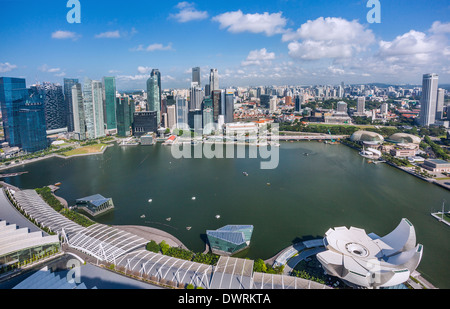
(436, 165)
(95, 205)
(229, 239)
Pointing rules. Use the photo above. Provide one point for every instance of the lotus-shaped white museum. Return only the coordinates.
(369, 260)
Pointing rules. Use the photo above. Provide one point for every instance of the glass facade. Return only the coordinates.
(33, 133)
(11, 97)
(27, 255)
(153, 98)
(123, 116)
(109, 90)
(68, 105)
(55, 110)
(79, 124)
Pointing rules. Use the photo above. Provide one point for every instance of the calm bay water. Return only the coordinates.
(332, 186)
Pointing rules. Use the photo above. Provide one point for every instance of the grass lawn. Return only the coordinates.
(85, 150)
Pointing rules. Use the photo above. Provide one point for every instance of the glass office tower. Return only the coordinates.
(11, 97)
(153, 98)
(182, 112)
(79, 123)
(33, 133)
(55, 109)
(124, 117)
(109, 100)
(68, 84)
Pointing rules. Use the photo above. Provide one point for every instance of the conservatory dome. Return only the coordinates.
(367, 137)
(404, 138)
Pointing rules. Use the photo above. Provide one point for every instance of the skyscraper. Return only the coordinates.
(68, 84)
(217, 104)
(182, 112)
(155, 72)
(33, 133)
(196, 76)
(361, 107)
(429, 99)
(153, 99)
(54, 104)
(124, 117)
(196, 96)
(11, 97)
(93, 108)
(171, 116)
(208, 115)
(213, 81)
(229, 106)
(79, 123)
(440, 104)
(109, 103)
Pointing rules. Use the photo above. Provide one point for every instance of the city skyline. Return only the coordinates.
(252, 43)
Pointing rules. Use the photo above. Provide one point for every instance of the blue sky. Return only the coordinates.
(251, 43)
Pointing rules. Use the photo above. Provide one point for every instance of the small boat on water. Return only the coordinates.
(143, 216)
(150, 200)
(168, 219)
(193, 198)
(217, 216)
(245, 173)
(188, 228)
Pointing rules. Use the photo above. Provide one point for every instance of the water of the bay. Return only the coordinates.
(302, 198)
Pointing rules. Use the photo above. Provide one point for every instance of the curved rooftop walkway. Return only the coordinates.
(118, 246)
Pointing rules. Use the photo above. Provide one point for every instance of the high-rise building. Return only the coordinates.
(195, 120)
(440, 104)
(229, 106)
(23, 113)
(213, 81)
(208, 114)
(153, 99)
(196, 77)
(171, 116)
(79, 120)
(123, 116)
(68, 84)
(182, 112)
(55, 109)
(144, 122)
(429, 99)
(33, 129)
(93, 108)
(196, 96)
(11, 97)
(217, 104)
(109, 103)
(155, 72)
(361, 105)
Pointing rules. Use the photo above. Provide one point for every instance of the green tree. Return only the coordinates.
(152, 246)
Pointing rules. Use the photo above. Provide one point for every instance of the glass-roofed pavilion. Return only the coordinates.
(229, 239)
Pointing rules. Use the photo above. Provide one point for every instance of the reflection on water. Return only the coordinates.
(331, 186)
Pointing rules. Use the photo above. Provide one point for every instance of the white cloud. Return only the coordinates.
(330, 37)
(188, 13)
(63, 35)
(258, 57)
(46, 68)
(108, 35)
(137, 77)
(237, 22)
(144, 70)
(6, 67)
(153, 47)
(439, 27)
